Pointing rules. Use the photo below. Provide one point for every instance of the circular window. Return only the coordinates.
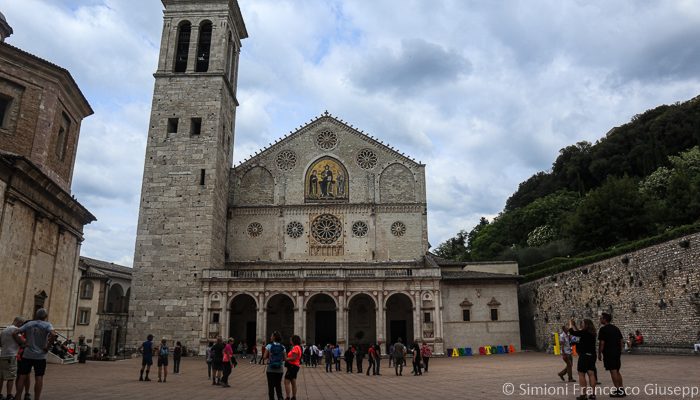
(366, 159)
(295, 229)
(326, 229)
(360, 229)
(398, 229)
(255, 229)
(286, 160)
(326, 140)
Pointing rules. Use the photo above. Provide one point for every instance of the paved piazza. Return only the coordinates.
(463, 378)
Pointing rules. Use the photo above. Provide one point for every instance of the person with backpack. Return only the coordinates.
(293, 365)
(177, 356)
(227, 361)
(217, 360)
(276, 356)
(163, 353)
(146, 351)
(399, 357)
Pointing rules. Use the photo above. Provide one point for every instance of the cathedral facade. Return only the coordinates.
(322, 234)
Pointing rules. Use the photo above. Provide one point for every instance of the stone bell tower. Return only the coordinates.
(182, 217)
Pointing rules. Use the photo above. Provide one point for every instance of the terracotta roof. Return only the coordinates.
(103, 269)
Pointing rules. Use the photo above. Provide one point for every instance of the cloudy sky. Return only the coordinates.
(484, 92)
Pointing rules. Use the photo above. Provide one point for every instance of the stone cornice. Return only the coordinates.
(300, 209)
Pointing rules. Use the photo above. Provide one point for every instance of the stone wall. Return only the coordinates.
(655, 290)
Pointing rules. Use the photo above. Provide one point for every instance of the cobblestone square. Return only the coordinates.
(462, 378)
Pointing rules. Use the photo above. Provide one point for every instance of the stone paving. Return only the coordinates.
(459, 378)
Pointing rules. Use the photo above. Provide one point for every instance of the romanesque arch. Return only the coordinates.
(257, 187)
(362, 320)
(243, 319)
(115, 299)
(326, 180)
(182, 50)
(280, 316)
(397, 185)
(321, 319)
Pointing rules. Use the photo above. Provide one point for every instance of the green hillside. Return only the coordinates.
(639, 181)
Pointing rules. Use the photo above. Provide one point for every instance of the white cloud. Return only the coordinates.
(485, 95)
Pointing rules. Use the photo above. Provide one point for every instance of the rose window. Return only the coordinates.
(366, 159)
(326, 229)
(255, 229)
(359, 229)
(286, 160)
(326, 140)
(398, 229)
(295, 229)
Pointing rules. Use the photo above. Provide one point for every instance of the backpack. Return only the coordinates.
(276, 355)
(164, 351)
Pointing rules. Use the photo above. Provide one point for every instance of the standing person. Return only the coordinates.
(399, 357)
(83, 350)
(226, 362)
(275, 355)
(39, 333)
(208, 359)
(263, 350)
(163, 354)
(217, 360)
(371, 359)
(610, 352)
(307, 355)
(426, 353)
(244, 354)
(565, 345)
(378, 359)
(417, 360)
(391, 352)
(328, 353)
(359, 356)
(8, 356)
(349, 358)
(293, 366)
(313, 355)
(337, 353)
(586, 357)
(177, 356)
(254, 351)
(146, 351)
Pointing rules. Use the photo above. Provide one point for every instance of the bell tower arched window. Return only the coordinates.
(203, 47)
(183, 46)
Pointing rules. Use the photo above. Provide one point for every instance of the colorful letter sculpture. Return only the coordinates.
(455, 353)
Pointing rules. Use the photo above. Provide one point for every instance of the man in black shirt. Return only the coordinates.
(217, 359)
(610, 350)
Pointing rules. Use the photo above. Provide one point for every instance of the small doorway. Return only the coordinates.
(325, 327)
(397, 329)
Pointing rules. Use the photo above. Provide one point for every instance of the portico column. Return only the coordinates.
(340, 320)
(302, 308)
(299, 314)
(223, 329)
(439, 339)
(379, 317)
(417, 320)
(261, 314)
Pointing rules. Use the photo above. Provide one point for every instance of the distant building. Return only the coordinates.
(41, 223)
(103, 305)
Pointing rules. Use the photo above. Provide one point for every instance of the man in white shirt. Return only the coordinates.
(8, 356)
(565, 346)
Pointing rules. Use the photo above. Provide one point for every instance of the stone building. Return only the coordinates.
(41, 223)
(103, 304)
(323, 234)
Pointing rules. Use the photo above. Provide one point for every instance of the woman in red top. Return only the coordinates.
(293, 365)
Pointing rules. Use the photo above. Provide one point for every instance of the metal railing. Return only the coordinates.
(320, 273)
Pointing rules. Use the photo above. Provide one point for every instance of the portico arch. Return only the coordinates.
(399, 318)
(280, 316)
(321, 319)
(362, 320)
(243, 319)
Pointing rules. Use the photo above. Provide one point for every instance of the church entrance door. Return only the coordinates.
(399, 318)
(242, 321)
(321, 320)
(280, 317)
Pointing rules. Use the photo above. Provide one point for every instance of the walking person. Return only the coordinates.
(399, 357)
(146, 351)
(565, 345)
(163, 354)
(8, 356)
(349, 358)
(275, 356)
(378, 360)
(254, 352)
(217, 360)
(226, 363)
(417, 360)
(313, 355)
(425, 353)
(177, 356)
(586, 357)
(263, 350)
(293, 367)
(359, 357)
(371, 359)
(391, 351)
(39, 334)
(208, 359)
(610, 352)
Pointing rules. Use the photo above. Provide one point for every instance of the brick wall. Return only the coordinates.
(655, 290)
